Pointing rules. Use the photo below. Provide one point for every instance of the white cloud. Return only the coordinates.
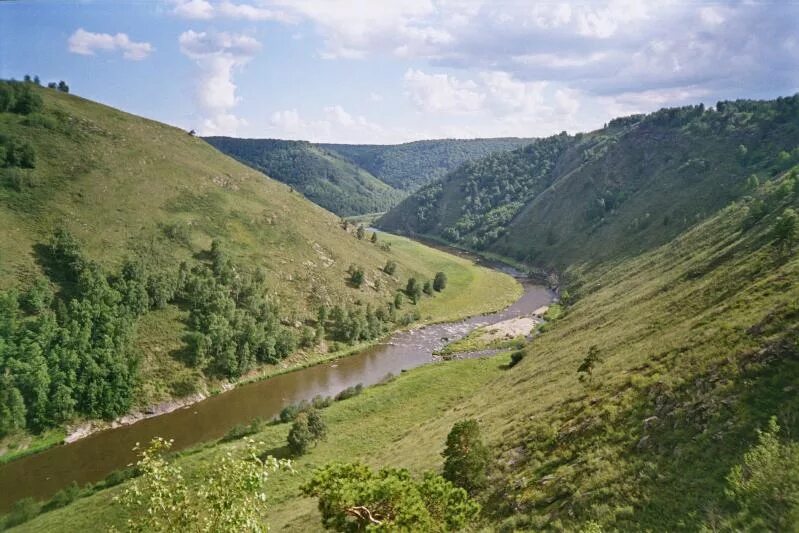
(217, 56)
(87, 43)
(335, 124)
(441, 92)
(204, 10)
(194, 9)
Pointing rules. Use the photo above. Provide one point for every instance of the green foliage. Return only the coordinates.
(300, 436)
(354, 498)
(588, 198)
(360, 232)
(390, 267)
(785, 231)
(413, 290)
(16, 153)
(516, 358)
(357, 324)
(589, 363)
(16, 97)
(357, 276)
(427, 288)
(440, 281)
(466, 457)
(322, 176)
(411, 165)
(230, 497)
(765, 486)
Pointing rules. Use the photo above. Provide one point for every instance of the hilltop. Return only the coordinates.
(411, 165)
(615, 192)
(322, 176)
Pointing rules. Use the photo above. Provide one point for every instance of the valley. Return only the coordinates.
(615, 311)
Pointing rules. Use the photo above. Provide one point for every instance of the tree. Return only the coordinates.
(390, 268)
(398, 300)
(354, 498)
(12, 406)
(440, 282)
(360, 232)
(428, 288)
(63, 87)
(785, 231)
(230, 497)
(413, 290)
(765, 487)
(374, 238)
(300, 435)
(316, 425)
(590, 362)
(465, 456)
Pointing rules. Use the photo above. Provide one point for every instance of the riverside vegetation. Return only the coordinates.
(661, 395)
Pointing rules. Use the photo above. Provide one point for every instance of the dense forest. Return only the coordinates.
(323, 177)
(409, 166)
(630, 186)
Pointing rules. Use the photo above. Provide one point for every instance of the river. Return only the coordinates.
(90, 459)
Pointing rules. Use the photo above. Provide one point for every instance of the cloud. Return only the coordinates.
(441, 92)
(217, 56)
(602, 49)
(205, 10)
(87, 43)
(194, 9)
(333, 124)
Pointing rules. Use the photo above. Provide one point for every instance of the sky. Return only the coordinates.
(389, 71)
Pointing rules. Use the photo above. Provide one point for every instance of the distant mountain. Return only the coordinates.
(412, 165)
(322, 176)
(626, 188)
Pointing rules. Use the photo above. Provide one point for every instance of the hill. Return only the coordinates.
(411, 165)
(324, 177)
(615, 192)
(138, 264)
(698, 348)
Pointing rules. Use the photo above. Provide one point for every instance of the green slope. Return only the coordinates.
(411, 165)
(322, 176)
(615, 192)
(698, 345)
(134, 191)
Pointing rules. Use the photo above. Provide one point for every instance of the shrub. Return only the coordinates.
(300, 436)
(390, 268)
(516, 357)
(428, 288)
(440, 282)
(24, 510)
(349, 392)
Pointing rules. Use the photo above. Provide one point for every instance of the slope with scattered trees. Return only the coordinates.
(618, 191)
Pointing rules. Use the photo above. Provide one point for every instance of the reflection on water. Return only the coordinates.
(92, 458)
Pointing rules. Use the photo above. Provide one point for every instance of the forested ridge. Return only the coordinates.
(620, 190)
(322, 176)
(411, 165)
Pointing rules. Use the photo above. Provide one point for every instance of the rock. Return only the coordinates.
(649, 422)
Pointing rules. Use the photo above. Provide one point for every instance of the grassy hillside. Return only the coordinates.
(615, 192)
(322, 176)
(698, 348)
(109, 271)
(409, 166)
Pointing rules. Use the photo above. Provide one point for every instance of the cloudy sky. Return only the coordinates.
(384, 71)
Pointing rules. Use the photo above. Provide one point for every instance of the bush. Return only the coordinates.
(428, 288)
(63, 497)
(24, 510)
(516, 357)
(349, 392)
(243, 430)
(440, 282)
(390, 268)
(357, 276)
(300, 437)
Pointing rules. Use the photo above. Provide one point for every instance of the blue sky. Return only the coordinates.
(385, 71)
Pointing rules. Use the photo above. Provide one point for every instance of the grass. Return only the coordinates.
(20, 445)
(698, 348)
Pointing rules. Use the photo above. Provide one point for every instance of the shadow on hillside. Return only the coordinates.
(66, 288)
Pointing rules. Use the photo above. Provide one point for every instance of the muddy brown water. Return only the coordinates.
(92, 458)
